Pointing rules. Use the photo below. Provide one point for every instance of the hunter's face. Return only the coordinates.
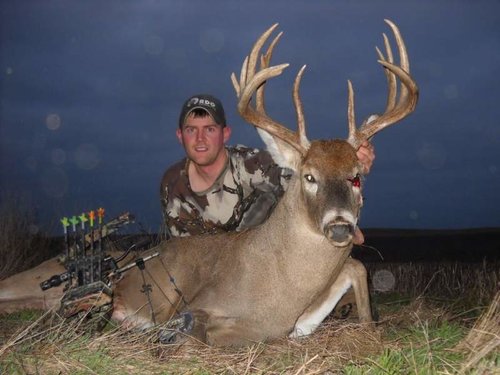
(203, 139)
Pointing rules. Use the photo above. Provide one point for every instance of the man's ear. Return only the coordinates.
(178, 133)
(226, 131)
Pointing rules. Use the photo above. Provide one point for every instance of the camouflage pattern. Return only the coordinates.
(243, 196)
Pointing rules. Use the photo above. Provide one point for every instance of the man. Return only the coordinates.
(218, 188)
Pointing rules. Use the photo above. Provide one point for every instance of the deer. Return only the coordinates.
(285, 276)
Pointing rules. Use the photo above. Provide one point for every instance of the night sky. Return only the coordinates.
(91, 93)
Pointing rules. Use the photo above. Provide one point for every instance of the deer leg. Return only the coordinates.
(202, 326)
(22, 290)
(353, 274)
(220, 330)
(346, 307)
(224, 331)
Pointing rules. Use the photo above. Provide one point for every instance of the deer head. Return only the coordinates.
(328, 171)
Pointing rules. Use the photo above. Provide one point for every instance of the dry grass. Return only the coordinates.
(47, 345)
(474, 283)
(22, 245)
(50, 346)
(483, 338)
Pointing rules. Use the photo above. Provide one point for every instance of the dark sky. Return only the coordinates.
(91, 93)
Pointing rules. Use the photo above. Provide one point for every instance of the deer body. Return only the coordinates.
(256, 283)
(285, 276)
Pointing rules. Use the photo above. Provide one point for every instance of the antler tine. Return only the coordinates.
(265, 61)
(236, 83)
(254, 53)
(391, 78)
(252, 81)
(248, 67)
(397, 108)
(301, 123)
(351, 116)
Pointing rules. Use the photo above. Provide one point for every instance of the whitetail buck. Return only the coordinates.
(285, 276)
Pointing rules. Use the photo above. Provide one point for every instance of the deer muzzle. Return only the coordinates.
(339, 232)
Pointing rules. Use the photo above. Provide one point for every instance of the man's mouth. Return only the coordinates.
(201, 148)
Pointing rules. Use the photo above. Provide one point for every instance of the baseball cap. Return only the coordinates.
(207, 102)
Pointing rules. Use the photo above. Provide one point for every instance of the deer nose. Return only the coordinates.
(340, 233)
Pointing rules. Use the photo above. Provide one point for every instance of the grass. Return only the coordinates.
(417, 336)
(419, 349)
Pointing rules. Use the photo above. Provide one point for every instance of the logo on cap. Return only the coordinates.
(203, 102)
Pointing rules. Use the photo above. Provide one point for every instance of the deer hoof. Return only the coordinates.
(176, 328)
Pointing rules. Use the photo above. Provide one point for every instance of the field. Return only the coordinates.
(420, 335)
(440, 316)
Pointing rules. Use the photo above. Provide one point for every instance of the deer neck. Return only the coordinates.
(301, 254)
(289, 223)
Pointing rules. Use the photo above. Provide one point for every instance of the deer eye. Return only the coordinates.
(355, 181)
(309, 178)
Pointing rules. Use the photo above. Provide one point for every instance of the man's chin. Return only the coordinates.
(201, 160)
(204, 158)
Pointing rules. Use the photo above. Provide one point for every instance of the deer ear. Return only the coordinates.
(283, 154)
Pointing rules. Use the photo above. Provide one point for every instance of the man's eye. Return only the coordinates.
(309, 178)
(355, 181)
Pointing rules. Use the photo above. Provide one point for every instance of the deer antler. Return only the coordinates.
(396, 108)
(253, 82)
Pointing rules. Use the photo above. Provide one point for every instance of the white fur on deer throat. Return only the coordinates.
(332, 215)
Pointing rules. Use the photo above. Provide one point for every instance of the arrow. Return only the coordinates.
(65, 224)
(83, 219)
(73, 220)
(100, 214)
(92, 217)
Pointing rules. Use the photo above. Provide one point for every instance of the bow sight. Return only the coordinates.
(89, 269)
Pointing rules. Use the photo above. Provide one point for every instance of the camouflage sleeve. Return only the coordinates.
(257, 170)
(171, 207)
(265, 183)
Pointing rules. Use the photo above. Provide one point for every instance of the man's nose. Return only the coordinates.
(200, 135)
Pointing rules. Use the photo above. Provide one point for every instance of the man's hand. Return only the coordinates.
(358, 238)
(366, 155)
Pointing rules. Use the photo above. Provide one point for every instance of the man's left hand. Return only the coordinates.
(358, 238)
(366, 155)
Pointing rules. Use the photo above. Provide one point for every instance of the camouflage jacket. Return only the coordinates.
(243, 195)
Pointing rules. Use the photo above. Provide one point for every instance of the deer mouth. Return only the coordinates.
(340, 233)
